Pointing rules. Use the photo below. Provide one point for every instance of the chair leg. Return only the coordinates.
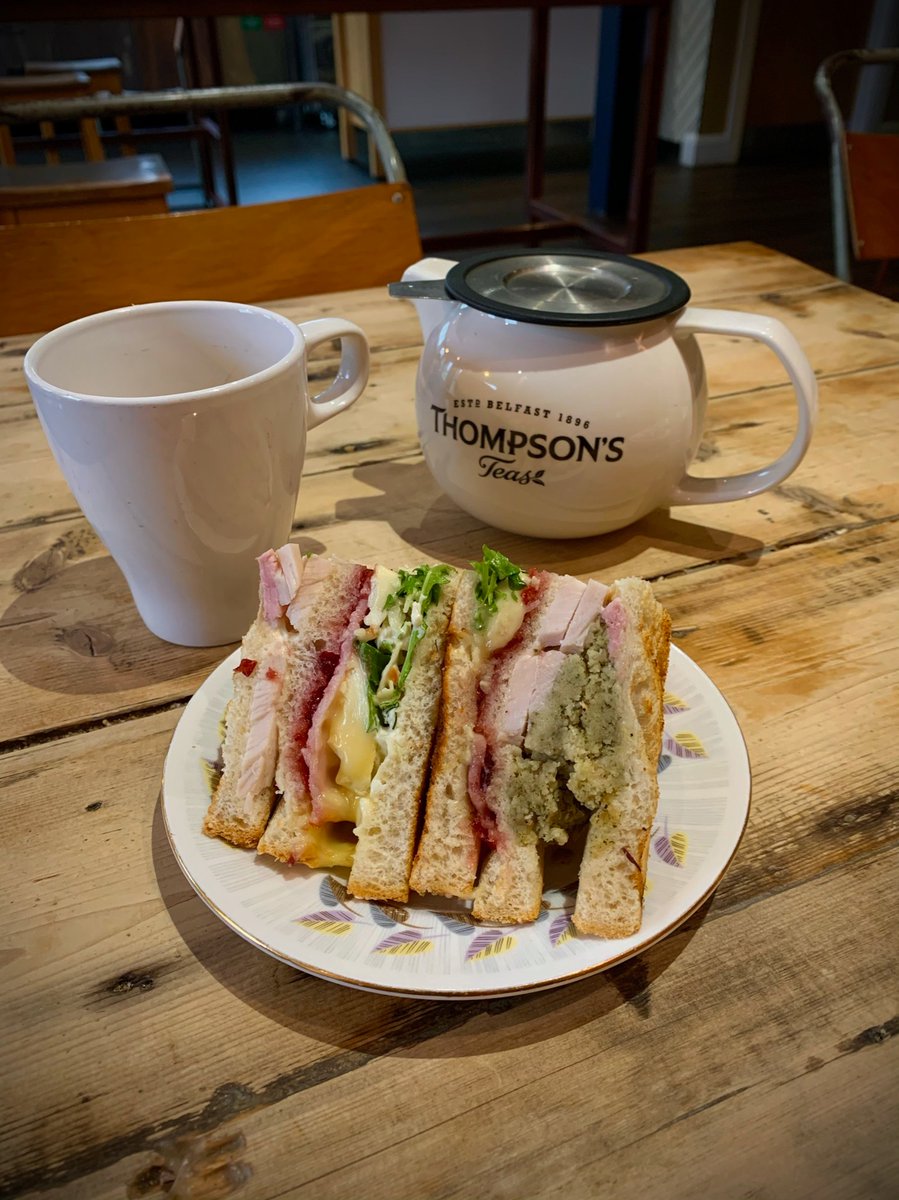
(347, 135)
(7, 149)
(207, 171)
(123, 126)
(90, 137)
(51, 155)
(227, 149)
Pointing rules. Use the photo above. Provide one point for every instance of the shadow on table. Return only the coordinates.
(77, 631)
(363, 1026)
(412, 503)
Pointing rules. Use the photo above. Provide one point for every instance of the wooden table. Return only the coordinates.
(749, 1054)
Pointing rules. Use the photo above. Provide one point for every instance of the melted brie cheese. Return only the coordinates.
(500, 628)
(328, 846)
(352, 750)
(504, 623)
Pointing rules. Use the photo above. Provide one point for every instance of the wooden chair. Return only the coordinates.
(117, 187)
(105, 75)
(54, 273)
(864, 175)
(97, 187)
(63, 85)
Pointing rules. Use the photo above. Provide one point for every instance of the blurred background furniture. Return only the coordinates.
(54, 190)
(62, 85)
(864, 174)
(619, 218)
(360, 237)
(117, 187)
(105, 75)
(203, 131)
(391, 67)
(742, 145)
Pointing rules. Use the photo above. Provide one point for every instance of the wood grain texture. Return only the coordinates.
(93, 208)
(364, 236)
(72, 648)
(94, 951)
(842, 330)
(753, 1052)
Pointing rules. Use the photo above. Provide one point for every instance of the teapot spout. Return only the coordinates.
(430, 312)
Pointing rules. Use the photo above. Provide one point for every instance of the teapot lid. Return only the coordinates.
(567, 287)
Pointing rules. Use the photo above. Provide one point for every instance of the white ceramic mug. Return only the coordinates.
(181, 429)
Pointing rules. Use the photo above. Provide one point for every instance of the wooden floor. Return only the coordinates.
(783, 204)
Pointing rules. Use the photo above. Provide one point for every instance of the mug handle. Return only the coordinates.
(775, 335)
(352, 375)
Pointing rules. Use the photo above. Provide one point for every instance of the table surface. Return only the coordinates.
(748, 1054)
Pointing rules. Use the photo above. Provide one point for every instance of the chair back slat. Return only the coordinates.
(872, 169)
(357, 238)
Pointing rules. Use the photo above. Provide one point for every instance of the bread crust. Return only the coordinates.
(510, 889)
(242, 820)
(510, 885)
(612, 876)
(388, 825)
(446, 862)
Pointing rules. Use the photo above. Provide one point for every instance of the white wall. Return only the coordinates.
(471, 68)
(686, 68)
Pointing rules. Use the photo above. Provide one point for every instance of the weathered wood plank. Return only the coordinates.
(72, 647)
(614, 1079)
(381, 425)
(715, 273)
(532, 1116)
(838, 337)
(96, 950)
(753, 1051)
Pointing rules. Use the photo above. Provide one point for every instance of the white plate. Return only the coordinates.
(427, 948)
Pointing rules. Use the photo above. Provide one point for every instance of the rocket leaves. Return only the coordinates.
(387, 659)
(496, 575)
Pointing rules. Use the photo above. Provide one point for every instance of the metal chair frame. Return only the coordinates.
(839, 184)
(212, 99)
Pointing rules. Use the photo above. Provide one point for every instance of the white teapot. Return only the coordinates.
(563, 394)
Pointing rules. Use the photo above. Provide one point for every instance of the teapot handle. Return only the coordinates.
(775, 335)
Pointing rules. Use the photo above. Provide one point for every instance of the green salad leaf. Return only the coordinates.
(422, 585)
(395, 643)
(374, 661)
(497, 576)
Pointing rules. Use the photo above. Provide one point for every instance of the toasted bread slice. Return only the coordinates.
(388, 817)
(511, 885)
(613, 869)
(290, 836)
(590, 749)
(236, 814)
(446, 862)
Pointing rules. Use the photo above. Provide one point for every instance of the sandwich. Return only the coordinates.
(334, 706)
(501, 711)
(551, 719)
